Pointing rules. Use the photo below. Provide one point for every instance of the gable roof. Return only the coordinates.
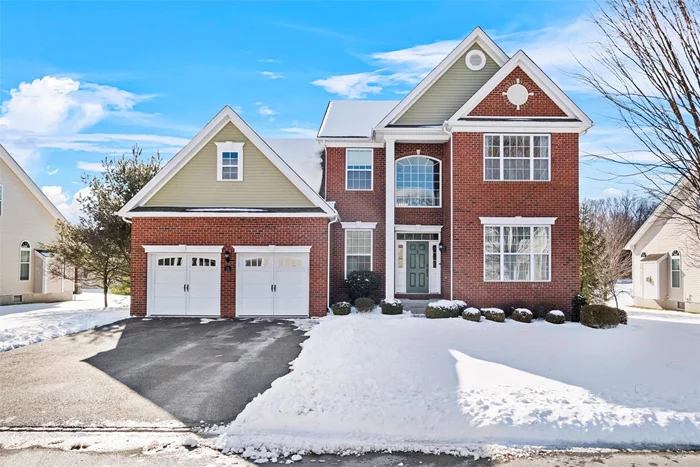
(353, 119)
(477, 36)
(225, 116)
(520, 59)
(656, 215)
(303, 155)
(29, 183)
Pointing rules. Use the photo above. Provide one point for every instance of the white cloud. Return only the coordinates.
(268, 60)
(272, 75)
(359, 85)
(300, 132)
(266, 111)
(53, 112)
(613, 192)
(90, 166)
(68, 205)
(238, 109)
(417, 58)
(51, 170)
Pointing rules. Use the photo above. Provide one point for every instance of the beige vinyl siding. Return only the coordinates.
(196, 184)
(23, 218)
(665, 236)
(448, 93)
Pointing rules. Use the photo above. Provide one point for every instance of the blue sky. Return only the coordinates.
(82, 79)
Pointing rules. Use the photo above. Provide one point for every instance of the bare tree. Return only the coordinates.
(648, 67)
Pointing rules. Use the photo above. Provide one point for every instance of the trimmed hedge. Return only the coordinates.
(555, 317)
(472, 314)
(391, 307)
(362, 284)
(600, 316)
(623, 316)
(341, 308)
(521, 315)
(364, 304)
(540, 310)
(461, 306)
(442, 309)
(494, 314)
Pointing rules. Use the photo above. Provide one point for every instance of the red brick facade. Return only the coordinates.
(230, 231)
(497, 105)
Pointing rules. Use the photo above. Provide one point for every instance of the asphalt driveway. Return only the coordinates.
(149, 373)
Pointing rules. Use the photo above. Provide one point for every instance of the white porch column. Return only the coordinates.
(390, 189)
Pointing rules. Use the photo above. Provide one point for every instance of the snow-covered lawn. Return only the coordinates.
(373, 382)
(22, 325)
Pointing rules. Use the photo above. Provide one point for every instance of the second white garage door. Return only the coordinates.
(272, 284)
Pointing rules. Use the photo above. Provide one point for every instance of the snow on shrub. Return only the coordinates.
(555, 317)
(391, 306)
(494, 314)
(576, 303)
(472, 314)
(461, 305)
(522, 315)
(540, 310)
(362, 284)
(442, 309)
(600, 316)
(341, 308)
(364, 304)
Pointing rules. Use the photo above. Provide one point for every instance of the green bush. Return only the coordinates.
(522, 315)
(341, 308)
(391, 307)
(364, 304)
(362, 284)
(623, 316)
(461, 306)
(540, 310)
(472, 314)
(600, 316)
(494, 314)
(442, 309)
(577, 303)
(555, 317)
(120, 289)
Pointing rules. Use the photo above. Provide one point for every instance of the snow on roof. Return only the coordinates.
(353, 119)
(303, 155)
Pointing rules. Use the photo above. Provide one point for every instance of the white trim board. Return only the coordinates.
(403, 228)
(477, 36)
(16, 169)
(271, 249)
(183, 248)
(545, 83)
(225, 116)
(359, 225)
(517, 220)
(225, 214)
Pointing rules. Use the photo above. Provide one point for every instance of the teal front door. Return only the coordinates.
(417, 271)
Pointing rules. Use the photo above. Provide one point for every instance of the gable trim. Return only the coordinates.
(477, 36)
(225, 116)
(545, 83)
(655, 216)
(29, 184)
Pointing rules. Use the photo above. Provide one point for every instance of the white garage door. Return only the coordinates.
(184, 284)
(272, 284)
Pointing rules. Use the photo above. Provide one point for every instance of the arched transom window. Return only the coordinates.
(418, 182)
(25, 260)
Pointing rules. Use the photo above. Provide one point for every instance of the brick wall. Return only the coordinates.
(229, 231)
(497, 105)
(475, 198)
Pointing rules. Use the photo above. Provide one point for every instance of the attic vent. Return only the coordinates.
(476, 60)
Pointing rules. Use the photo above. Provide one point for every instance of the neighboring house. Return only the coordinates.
(665, 253)
(27, 219)
(467, 189)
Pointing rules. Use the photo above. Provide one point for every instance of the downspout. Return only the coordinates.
(336, 218)
(446, 127)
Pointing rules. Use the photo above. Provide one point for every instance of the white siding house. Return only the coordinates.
(27, 219)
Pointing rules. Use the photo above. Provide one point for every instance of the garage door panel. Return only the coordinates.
(291, 285)
(169, 276)
(204, 285)
(254, 285)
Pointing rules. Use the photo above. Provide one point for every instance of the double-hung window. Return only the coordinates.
(517, 157)
(358, 169)
(229, 161)
(25, 260)
(517, 253)
(676, 269)
(358, 250)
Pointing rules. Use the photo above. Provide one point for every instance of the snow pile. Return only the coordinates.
(30, 323)
(372, 383)
(558, 313)
(472, 311)
(450, 304)
(392, 301)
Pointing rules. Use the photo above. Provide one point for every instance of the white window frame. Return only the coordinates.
(371, 171)
(532, 157)
(396, 184)
(229, 146)
(678, 257)
(23, 249)
(371, 249)
(502, 253)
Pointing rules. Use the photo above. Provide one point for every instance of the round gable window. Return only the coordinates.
(517, 94)
(476, 60)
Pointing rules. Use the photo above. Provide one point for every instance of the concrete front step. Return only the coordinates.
(416, 306)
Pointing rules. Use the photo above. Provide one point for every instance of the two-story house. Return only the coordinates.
(27, 219)
(467, 188)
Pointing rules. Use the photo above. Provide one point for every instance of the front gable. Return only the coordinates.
(196, 184)
(449, 92)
